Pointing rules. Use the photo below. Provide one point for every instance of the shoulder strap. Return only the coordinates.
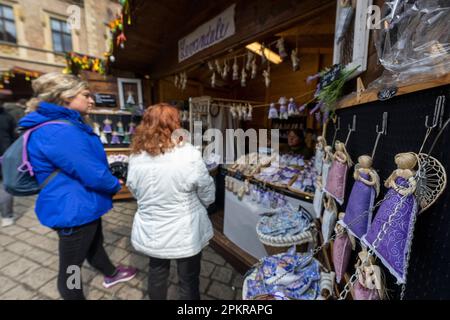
(26, 165)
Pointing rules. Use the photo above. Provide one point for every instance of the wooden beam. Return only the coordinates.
(371, 95)
(254, 21)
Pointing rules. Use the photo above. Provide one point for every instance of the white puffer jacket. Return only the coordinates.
(172, 192)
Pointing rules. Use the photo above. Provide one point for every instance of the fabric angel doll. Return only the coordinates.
(120, 131)
(132, 128)
(103, 138)
(115, 138)
(394, 221)
(369, 284)
(107, 126)
(273, 112)
(358, 214)
(337, 177)
(283, 108)
(342, 249)
(320, 152)
(292, 108)
(126, 139)
(96, 128)
(329, 218)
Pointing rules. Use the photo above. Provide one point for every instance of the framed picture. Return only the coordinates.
(351, 39)
(130, 93)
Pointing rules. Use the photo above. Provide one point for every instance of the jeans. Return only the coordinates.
(76, 245)
(6, 202)
(188, 275)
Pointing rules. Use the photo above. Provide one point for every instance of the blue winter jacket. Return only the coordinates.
(82, 191)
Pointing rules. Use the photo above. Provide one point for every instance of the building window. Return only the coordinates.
(62, 38)
(7, 25)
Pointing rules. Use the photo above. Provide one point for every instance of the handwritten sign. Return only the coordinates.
(387, 93)
(105, 100)
(208, 34)
(330, 76)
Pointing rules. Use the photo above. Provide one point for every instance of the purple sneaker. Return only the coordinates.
(123, 274)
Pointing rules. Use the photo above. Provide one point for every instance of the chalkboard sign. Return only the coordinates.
(331, 75)
(387, 93)
(105, 100)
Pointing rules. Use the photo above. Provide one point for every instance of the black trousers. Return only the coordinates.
(188, 278)
(76, 245)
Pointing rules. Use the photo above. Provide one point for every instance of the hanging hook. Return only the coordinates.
(437, 118)
(442, 107)
(379, 133)
(351, 129)
(337, 128)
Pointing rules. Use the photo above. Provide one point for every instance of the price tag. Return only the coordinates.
(387, 93)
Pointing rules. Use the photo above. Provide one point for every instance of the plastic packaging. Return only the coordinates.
(414, 39)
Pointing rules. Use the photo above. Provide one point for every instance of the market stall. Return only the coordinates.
(371, 103)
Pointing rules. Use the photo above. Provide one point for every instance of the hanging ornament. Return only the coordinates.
(254, 69)
(249, 113)
(226, 69)
(176, 81)
(281, 49)
(213, 80)
(266, 75)
(233, 111)
(295, 60)
(218, 67)
(250, 57)
(243, 78)
(235, 69)
(210, 66)
(240, 112)
(263, 54)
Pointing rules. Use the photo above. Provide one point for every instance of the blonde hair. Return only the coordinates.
(55, 88)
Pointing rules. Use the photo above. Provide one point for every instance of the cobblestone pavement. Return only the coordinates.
(29, 261)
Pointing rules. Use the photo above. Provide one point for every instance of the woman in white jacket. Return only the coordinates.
(173, 188)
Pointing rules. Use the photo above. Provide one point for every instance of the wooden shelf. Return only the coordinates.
(372, 95)
(117, 149)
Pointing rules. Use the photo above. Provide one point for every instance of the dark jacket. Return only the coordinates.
(82, 191)
(7, 130)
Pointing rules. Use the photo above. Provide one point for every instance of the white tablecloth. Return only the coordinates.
(241, 217)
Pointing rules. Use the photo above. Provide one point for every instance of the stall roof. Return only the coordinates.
(156, 27)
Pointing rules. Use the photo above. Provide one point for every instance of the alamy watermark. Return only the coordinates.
(225, 149)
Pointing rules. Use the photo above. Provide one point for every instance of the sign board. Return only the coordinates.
(105, 100)
(330, 76)
(208, 34)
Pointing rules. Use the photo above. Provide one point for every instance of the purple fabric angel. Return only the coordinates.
(337, 176)
(394, 246)
(358, 214)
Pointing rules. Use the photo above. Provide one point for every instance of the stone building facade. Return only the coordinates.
(37, 47)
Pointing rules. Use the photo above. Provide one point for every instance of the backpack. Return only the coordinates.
(18, 176)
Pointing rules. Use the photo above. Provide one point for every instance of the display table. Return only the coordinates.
(241, 218)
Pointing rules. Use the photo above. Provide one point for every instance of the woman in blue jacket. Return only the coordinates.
(81, 188)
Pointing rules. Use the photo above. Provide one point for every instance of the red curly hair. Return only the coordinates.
(153, 134)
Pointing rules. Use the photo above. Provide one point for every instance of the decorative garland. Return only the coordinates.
(5, 77)
(77, 62)
(116, 30)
